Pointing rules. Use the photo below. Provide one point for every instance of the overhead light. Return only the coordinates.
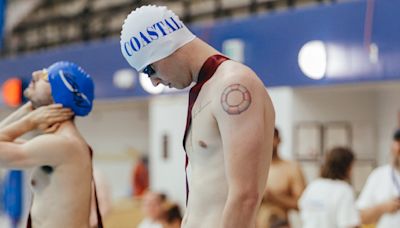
(374, 53)
(124, 79)
(234, 49)
(145, 82)
(312, 59)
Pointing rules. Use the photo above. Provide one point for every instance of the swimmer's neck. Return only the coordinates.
(196, 61)
(65, 126)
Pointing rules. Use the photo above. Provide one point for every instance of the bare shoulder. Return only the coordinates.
(234, 72)
(55, 144)
(48, 140)
(293, 167)
(237, 89)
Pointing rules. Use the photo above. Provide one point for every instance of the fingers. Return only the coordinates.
(54, 106)
(397, 204)
(66, 111)
(52, 128)
(55, 110)
(58, 118)
(393, 205)
(61, 112)
(47, 116)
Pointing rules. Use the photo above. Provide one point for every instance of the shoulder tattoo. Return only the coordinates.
(235, 99)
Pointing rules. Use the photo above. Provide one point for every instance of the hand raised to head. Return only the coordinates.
(48, 118)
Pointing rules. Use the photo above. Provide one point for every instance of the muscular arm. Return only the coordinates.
(246, 131)
(24, 120)
(39, 151)
(42, 150)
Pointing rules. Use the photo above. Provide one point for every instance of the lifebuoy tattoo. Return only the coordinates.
(235, 99)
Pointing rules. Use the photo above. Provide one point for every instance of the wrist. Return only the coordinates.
(16, 129)
(28, 123)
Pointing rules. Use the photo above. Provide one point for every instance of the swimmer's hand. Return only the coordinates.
(48, 118)
(391, 205)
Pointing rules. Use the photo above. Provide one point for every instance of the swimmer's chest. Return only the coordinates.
(41, 177)
(204, 138)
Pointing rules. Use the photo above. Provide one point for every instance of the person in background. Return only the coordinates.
(379, 201)
(172, 216)
(284, 187)
(328, 202)
(152, 207)
(140, 177)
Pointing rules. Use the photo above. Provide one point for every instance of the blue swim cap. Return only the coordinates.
(72, 87)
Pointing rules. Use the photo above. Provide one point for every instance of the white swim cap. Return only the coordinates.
(151, 33)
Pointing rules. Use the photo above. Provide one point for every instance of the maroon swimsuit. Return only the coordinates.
(206, 72)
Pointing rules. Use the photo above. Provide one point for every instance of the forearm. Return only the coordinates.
(240, 212)
(18, 114)
(371, 215)
(15, 129)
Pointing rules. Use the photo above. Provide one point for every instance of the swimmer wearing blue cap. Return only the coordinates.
(61, 159)
(230, 123)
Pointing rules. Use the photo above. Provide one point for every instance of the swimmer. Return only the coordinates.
(231, 119)
(61, 160)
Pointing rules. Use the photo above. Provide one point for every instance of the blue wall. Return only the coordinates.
(99, 59)
(274, 40)
(272, 43)
(2, 17)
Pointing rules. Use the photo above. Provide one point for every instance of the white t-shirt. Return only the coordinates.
(328, 203)
(381, 187)
(148, 223)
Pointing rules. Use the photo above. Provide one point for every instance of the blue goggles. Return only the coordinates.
(149, 70)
